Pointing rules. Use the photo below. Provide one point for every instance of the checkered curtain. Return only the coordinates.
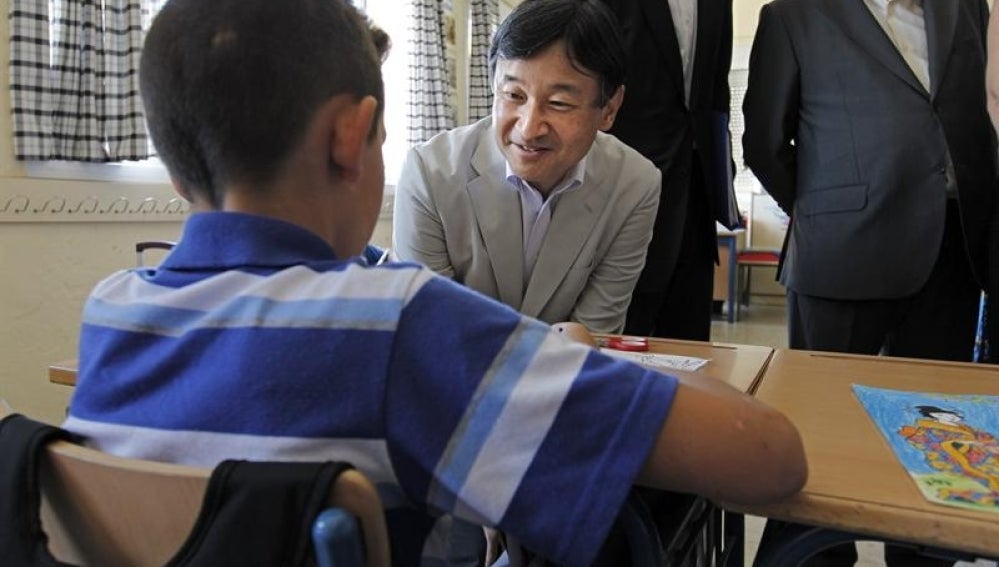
(485, 19)
(429, 105)
(74, 79)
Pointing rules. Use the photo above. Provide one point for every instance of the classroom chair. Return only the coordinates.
(762, 209)
(100, 510)
(373, 255)
(745, 261)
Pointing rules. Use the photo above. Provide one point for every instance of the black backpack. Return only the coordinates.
(253, 513)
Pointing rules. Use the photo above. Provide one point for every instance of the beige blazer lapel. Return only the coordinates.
(571, 225)
(498, 216)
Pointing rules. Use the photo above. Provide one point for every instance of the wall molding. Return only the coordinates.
(26, 200)
(46, 200)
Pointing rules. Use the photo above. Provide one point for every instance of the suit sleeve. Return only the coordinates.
(603, 303)
(771, 109)
(417, 229)
(722, 95)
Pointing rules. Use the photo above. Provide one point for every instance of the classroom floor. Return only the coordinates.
(763, 322)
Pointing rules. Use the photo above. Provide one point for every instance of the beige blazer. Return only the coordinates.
(456, 213)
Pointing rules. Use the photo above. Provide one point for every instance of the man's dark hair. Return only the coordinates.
(229, 86)
(590, 31)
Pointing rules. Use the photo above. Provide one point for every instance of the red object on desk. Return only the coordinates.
(634, 344)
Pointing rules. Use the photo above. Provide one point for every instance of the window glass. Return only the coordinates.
(393, 17)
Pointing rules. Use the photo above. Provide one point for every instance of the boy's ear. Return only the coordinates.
(350, 136)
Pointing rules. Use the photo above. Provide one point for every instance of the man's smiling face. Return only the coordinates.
(546, 115)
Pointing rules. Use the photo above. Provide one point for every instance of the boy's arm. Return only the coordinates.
(720, 443)
(725, 445)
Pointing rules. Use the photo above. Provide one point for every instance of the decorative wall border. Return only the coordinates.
(24, 199)
(91, 208)
(32, 201)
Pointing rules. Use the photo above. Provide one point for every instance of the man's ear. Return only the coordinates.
(352, 126)
(609, 111)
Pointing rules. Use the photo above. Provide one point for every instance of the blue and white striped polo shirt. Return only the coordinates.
(253, 341)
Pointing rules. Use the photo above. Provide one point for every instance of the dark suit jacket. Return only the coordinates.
(655, 118)
(845, 138)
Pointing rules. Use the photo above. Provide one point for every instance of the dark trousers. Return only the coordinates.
(682, 308)
(938, 322)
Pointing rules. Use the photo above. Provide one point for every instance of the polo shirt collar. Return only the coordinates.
(223, 240)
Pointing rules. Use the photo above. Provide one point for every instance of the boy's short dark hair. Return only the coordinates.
(229, 86)
(382, 41)
(590, 31)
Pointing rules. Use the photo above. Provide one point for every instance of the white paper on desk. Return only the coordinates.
(658, 361)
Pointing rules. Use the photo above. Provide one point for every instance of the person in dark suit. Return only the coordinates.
(866, 121)
(869, 127)
(675, 113)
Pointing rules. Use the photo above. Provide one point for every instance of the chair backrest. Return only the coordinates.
(337, 539)
(98, 509)
(141, 247)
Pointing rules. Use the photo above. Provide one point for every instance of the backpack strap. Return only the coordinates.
(22, 541)
(267, 507)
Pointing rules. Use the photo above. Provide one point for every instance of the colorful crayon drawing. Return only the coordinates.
(947, 443)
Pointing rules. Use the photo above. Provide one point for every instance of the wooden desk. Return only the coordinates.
(741, 366)
(855, 482)
(63, 372)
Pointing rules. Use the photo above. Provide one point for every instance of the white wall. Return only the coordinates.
(745, 14)
(48, 267)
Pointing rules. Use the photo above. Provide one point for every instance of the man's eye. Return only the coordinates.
(516, 97)
(561, 105)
